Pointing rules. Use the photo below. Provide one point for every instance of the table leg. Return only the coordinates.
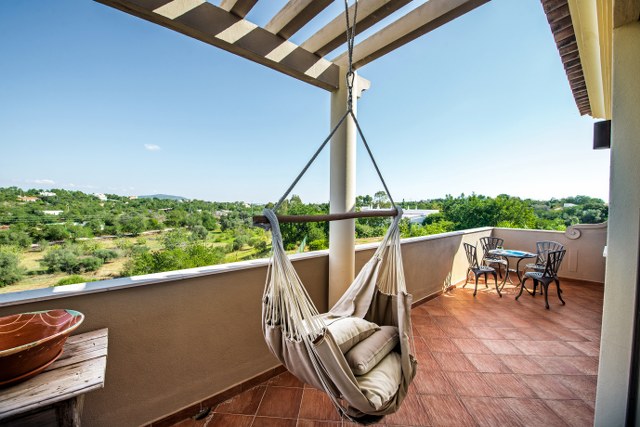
(69, 412)
(520, 276)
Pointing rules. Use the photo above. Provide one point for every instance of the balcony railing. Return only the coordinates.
(179, 337)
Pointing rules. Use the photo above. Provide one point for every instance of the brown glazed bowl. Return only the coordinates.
(29, 342)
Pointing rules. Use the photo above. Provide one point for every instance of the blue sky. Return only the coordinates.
(97, 100)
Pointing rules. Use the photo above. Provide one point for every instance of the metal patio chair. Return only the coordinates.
(488, 244)
(542, 250)
(478, 270)
(544, 278)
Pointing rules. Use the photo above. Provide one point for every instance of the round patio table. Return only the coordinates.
(511, 253)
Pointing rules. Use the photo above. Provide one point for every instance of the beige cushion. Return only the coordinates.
(368, 352)
(381, 383)
(350, 331)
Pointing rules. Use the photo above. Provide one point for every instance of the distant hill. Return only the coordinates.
(162, 197)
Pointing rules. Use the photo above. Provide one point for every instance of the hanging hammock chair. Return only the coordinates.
(360, 352)
(303, 341)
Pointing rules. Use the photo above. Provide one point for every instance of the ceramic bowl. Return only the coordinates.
(29, 342)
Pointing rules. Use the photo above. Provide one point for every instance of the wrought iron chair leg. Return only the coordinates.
(495, 278)
(466, 278)
(546, 295)
(559, 291)
(475, 289)
(535, 287)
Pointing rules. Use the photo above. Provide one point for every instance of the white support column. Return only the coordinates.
(343, 197)
(623, 236)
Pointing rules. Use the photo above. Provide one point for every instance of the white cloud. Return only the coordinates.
(152, 147)
(41, 181)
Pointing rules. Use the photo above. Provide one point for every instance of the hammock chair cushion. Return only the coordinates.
(369, 352)
(349, 331)
(381, 383)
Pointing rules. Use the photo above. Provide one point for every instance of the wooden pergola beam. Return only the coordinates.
(213, 25)
(240, 8)
(295, 15)
(332, 35)
(423, 19)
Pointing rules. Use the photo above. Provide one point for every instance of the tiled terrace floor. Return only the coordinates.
(482, 361)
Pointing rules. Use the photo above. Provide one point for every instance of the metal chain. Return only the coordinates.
(351, 36)
(351, 32)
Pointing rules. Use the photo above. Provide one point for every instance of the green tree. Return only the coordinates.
(10, 269)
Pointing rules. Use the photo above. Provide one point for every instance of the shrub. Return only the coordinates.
(10, 270)
(317, 245)
(17, 237)
(198, 232)
(90, 263)
(70, 280)
(105, 254)
(194, 255)
(68, 260)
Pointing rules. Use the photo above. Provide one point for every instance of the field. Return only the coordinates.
(37, 277)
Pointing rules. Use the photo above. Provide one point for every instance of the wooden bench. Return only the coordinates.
(56, 395)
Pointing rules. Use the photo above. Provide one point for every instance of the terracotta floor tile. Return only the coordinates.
(426, 360)
(557, 365)
(487, 363)
(433, 383)
(522, 365)
(286, 379)
(441, 345)
(583, 386)
(589, 348)
(230, 420)
(411, 413)
(453, 362)
(430, 331)
(448, 321)
(491, 412)
(485, 333)
(283, 402)
(446, 411)
(547, 386)
(586, 365)
(537, 334)
(246, 403)
(316, 423)
(273, 422)
(471, 346)
(316, 405)
(575, 413)
(457, 332)
(507, 385)
(510, 333)
(502, 347)
(469, 384)
(534, 413)
(435, 310)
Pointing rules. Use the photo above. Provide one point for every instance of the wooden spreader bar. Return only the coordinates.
(261, 219)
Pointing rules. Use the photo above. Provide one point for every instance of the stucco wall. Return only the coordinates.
(584, 245)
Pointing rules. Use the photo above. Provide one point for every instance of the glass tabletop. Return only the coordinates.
(512, 253)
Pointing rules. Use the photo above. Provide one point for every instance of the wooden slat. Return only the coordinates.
(240, 8)
(215, 26)
(80, 369)
(261, 219)
(333, 34)
(414, 24)
(295, 15)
